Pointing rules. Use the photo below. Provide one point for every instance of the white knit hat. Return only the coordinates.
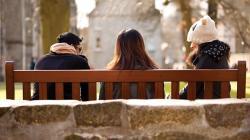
(202, 31)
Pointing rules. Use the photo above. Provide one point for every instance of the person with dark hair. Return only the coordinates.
(208, 53)
(32, 63)
(130, 54)
(63, 55)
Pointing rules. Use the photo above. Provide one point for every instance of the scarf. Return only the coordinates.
(63, 48)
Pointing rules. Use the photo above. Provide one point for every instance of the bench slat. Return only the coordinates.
(125, 90)
(191, 90)
(109, 90)
(76, 91)
(141, 90)
(59, 91)
(175, 90)
(241, 81)
(47, 76)
(159, 90)
(26, 91)
(10, 86)
(43, 91)
(92, 90)
(125, 76)
(225, 90)
(208, 90)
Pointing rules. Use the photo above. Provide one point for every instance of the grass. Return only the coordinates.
(19, 96)
(18, 91)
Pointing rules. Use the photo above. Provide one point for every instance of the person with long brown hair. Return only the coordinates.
(130, 54)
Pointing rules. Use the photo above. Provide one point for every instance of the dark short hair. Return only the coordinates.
(69, 38)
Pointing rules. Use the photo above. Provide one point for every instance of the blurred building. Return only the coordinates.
(111, 16)
(16, 32)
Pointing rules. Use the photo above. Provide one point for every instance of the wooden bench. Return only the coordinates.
(26, 77)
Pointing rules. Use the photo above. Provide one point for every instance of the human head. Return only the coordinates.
(202, 31)
(130, 52)
(71, 39)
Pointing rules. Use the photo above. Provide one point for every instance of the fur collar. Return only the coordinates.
(63, 48)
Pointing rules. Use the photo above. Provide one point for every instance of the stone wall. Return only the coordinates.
(227, 119)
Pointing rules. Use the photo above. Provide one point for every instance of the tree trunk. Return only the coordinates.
(55, 19)
(186, 12)
(213, 9)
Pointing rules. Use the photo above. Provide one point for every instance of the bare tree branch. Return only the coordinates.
(240, 22)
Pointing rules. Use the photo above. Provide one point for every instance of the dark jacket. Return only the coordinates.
(133, 88)
(54, 61)
(210, 55)
(133, 91)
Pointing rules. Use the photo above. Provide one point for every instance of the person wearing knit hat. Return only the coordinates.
(202, 31)
(208, 53)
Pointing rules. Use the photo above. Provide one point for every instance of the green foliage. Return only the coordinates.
(55, 19)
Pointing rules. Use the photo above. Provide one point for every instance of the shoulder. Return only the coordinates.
(214, 46)
(84, 57)
(215, 49)
(44, 58)
(80, 58)
(81, 61)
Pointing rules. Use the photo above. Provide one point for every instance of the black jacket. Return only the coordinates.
(133, 86)
(133, 91)
(210, 55)
(54, 61)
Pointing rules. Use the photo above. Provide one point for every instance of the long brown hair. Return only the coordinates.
(130, 52)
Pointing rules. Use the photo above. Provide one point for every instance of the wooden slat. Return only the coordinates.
(175, 90)
(141, 90)
(159, 90)
(208, 90)
(108, 90)
(43, 91)
(76, 91)
(225, 90)
(45, 76)
(125, 90)
(241, 81)
(191, 90)
(10, 86)
(125, 75)
(26, 91)
(92, 91)
(59, 91)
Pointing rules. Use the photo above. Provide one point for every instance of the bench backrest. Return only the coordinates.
(125, 77)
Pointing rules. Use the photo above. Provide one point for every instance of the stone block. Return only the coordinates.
(226, 115)
(153, 113)
(41, 114)
(98, 114)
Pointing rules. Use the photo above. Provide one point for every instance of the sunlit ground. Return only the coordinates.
(19, 96)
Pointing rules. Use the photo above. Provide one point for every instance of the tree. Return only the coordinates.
(55, 19)
(213, 9)
(239, 19)
(186, 23)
